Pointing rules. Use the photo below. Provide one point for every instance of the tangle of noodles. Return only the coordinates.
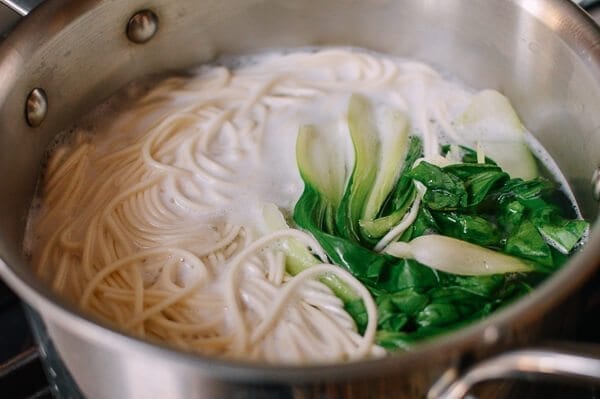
(153, 223)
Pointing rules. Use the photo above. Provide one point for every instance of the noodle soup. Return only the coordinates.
(299, 207)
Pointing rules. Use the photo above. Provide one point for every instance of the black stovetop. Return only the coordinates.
(21, 373)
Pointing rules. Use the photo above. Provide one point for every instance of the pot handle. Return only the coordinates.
(579, 363)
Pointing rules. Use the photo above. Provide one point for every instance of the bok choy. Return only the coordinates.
(483, 231)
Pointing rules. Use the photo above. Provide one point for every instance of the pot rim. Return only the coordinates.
(580, 34)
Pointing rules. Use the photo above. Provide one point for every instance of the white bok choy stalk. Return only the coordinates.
(490, 124)
(380, 141)
(393, 136)
(321, 157)
(457, 257)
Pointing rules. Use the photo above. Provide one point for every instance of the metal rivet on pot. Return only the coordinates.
(491, 335)
(36, 107)
(142, 26)
(596, 183)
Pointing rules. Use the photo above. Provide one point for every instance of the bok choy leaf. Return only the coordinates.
(398, 201)
(394, 146)
(484, 233)
(321, 163)
(491, 121)
(299, 258)
(366, 143)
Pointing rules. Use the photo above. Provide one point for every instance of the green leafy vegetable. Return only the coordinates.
(394, 146)
(299, 258)
(491, 122)
(424, 224)
(530, 193)
(398, 201)
(480, 239)
(479, 179)
(445, 191)
(321, 165)
(558, 232)
(527, 243)
(471, 228)
(365, 140)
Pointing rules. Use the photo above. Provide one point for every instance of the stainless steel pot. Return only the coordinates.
(66, 56)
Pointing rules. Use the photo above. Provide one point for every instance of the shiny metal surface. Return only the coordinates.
(574, 367)
(36, 107)
(8, 18)
(21, 7)
(142, 26)
(543, 54)
(596, 184)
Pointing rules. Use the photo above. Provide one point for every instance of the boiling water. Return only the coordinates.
(181, 172)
